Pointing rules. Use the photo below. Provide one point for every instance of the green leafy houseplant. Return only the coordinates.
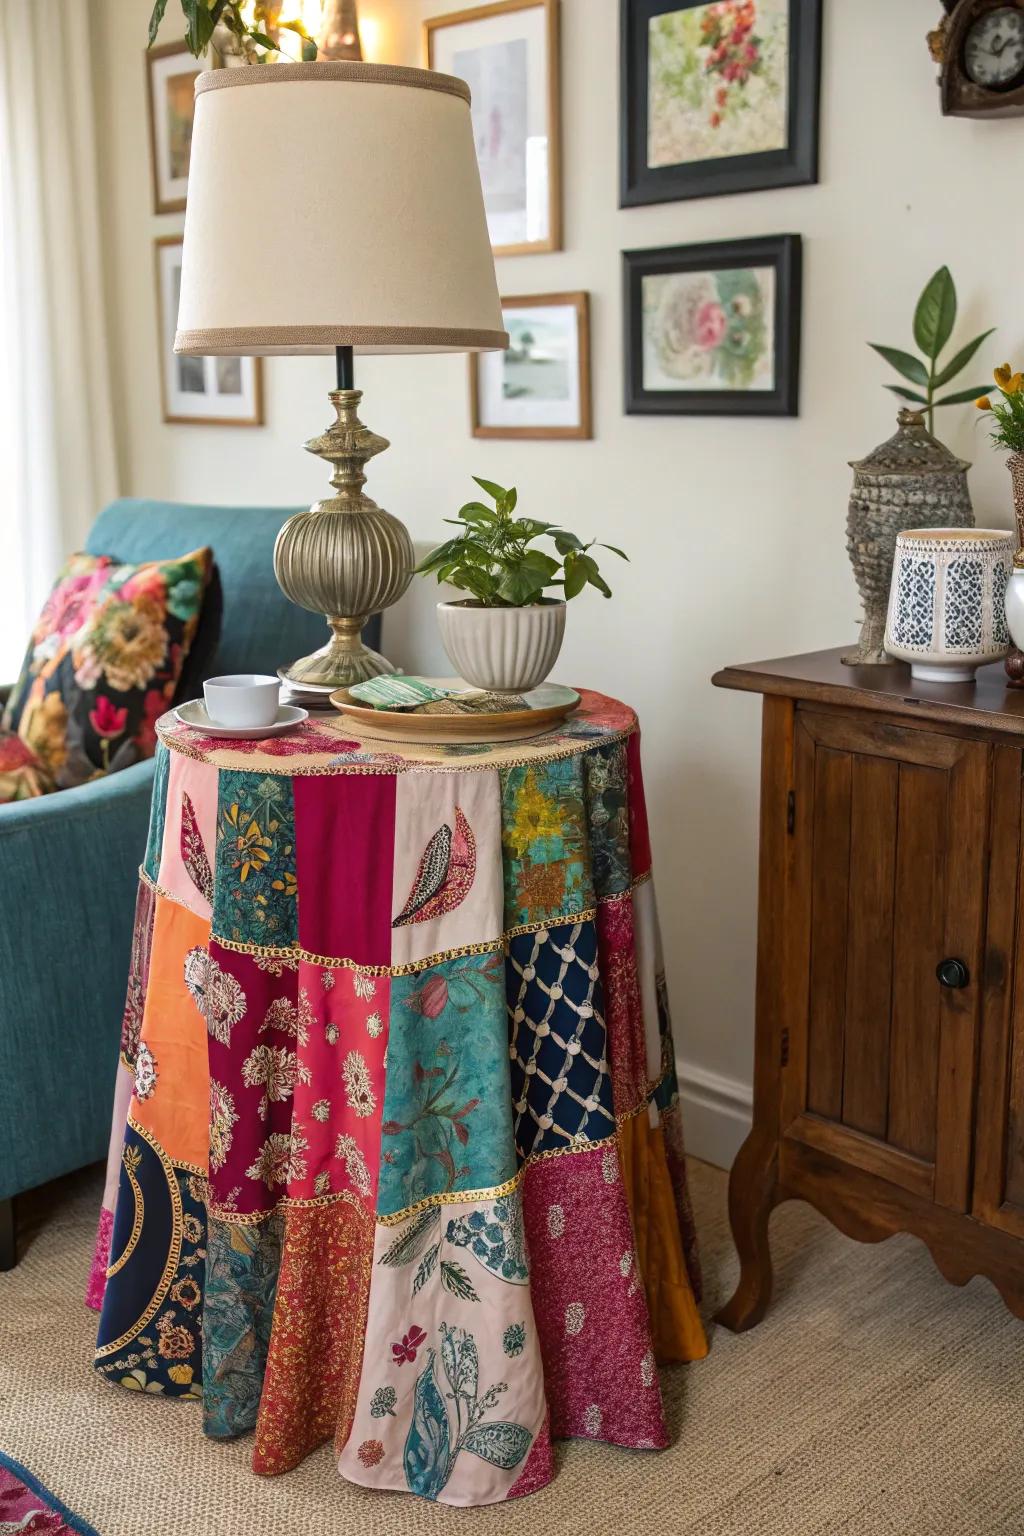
(934, 319)
(202, 17)
(495, 558)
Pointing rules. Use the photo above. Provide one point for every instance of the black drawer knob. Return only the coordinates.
(953, 973)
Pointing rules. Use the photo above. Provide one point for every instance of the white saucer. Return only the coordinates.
(193, 714)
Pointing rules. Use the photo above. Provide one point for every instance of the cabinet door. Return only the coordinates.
(999, 1163)
(890, 829)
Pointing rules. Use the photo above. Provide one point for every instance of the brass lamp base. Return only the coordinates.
(342, 662)
(345, 558)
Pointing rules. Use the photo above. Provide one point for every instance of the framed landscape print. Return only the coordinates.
(209, 391)
(170, 74)
(508, 54)
(717, 96)
(714, 330)
(540, 386)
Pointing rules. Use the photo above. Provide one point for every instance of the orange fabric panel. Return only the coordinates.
(676, 1328)
(176, 1107)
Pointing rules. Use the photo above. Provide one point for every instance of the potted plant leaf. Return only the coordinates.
(934, 319)
(505, 636)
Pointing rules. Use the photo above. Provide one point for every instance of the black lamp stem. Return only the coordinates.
(346, 370)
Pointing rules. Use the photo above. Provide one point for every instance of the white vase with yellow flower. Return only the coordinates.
(1006, 416)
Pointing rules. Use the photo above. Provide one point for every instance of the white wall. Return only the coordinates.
(736, 528)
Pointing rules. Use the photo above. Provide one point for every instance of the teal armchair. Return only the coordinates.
(69, 861)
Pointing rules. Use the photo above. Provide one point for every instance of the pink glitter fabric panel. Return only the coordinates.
(589, 1302)
(97, 1283)
(639, 836)
(623, 1008)
(344, 856)
(339, 1089)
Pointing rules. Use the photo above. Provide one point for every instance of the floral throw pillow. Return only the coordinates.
(22, 775)
(104, 662)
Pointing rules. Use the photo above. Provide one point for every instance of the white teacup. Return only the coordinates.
(242, 699)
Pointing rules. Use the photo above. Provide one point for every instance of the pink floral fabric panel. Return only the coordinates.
(343, 866)
(339, 1082)
(623, 1007)
(447, 890)
(451, 1394)
(591, 1310)
(189, 849)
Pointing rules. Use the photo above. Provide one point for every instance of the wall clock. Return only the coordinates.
(980, 46)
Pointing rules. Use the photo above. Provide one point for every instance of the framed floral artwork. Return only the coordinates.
(508, 54)
(170, 77)
(717, 96)
(210, 391)
(714, 330)
(540, 385)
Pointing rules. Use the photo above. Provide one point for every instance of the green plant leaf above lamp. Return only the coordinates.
(934, 319)
(492, 559)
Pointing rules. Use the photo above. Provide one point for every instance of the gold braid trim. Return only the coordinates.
(291, 954)
(576, 748)
(173, 1252)
(130, 1158)
(451, 1196)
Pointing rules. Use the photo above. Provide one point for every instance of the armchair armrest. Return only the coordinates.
(68, 877)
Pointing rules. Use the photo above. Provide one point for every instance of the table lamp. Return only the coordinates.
(336, 207)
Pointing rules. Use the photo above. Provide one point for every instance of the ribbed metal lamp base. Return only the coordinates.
(345, 558)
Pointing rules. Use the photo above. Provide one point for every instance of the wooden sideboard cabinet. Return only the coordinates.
(889, 1056)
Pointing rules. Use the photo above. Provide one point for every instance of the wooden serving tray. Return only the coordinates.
(547, 706)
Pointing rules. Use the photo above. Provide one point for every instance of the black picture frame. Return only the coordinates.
(796, 165)
(784, 253)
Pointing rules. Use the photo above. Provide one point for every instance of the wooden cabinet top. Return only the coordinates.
(820, 677)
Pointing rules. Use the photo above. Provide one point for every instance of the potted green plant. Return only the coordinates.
(505, 636)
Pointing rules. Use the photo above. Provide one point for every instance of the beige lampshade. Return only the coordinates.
(335, 204)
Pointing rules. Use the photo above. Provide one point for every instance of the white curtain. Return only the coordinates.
(57, 458)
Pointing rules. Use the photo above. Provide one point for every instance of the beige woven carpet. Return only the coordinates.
(874, 1398)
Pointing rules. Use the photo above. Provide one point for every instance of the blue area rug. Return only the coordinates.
(29, 1509)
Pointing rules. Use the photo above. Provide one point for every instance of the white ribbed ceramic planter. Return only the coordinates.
(505, 650)
(946, 608)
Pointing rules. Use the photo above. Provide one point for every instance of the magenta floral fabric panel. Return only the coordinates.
(252, 1014)
(589, 1301)
(189, 849)
(343, 869)
(447, 889)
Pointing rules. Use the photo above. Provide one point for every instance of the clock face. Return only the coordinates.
(994, 49)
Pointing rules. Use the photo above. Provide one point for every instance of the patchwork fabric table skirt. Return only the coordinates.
(396, 1157)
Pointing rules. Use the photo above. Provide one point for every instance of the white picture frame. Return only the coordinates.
(200, 391)
(507, 52)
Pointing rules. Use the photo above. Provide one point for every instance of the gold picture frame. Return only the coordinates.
(199, 391)
(551, 397)
(170, 106)
(521, 94)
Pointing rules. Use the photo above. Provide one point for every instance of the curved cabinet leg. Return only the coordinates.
(752, 1194)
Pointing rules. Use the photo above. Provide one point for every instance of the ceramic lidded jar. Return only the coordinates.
(909, 481)
(948, 605)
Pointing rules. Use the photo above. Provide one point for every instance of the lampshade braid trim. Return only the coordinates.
(243, 339)
(360, 74)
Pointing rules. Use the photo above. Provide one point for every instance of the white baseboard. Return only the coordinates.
(716, 1113)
